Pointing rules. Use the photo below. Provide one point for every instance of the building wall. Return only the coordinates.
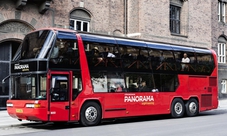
(218, 29)
(150, 18)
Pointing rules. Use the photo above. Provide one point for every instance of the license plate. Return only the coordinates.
(19, 111)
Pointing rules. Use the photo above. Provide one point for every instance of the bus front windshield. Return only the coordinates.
(29, 87)
(37, 44)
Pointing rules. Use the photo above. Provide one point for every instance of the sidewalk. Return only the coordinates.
(222, 104)
(6, 120)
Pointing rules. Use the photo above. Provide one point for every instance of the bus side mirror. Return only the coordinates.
(2, 87)
(3, 83)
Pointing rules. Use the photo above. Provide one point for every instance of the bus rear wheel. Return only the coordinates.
(90, 114)
(177, 108)
(192, 107)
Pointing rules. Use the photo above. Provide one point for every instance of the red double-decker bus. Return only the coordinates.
(61, 75)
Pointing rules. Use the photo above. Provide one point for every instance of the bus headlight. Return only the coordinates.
(9, 105)
(32, 105)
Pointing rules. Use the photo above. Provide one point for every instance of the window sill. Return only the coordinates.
(180, 35)
(221, 23)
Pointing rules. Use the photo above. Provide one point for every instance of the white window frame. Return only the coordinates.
(221, 11)
(221, 53)
(223, 87)
(82, 22)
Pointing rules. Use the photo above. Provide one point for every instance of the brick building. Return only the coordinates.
(219, 39)
(173, 21)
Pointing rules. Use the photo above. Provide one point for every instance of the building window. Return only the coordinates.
(80, 20)
(223, 86)
(221, 11)
(79, 25)
(221, 53)
(175, 19)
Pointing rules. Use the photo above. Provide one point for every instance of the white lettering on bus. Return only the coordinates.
(139, 99)
(18, 66)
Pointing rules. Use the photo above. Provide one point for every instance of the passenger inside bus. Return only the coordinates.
(108, 54)
(36, 51)
(95, 52)
(185, 59)
(133, 87)
(143, 87)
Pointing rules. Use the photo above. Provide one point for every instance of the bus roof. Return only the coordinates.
(108, 39)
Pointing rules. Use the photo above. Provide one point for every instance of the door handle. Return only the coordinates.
(67, 107)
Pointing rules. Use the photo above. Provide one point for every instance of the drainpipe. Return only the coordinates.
(53, 16)
(126, 17)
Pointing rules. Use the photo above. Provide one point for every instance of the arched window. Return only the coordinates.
(221, 50)
(80, 20)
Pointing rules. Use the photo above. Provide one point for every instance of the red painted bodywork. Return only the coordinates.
(114, 105)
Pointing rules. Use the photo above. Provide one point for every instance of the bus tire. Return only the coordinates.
(177, 108)
(192, 107)
(90, 114)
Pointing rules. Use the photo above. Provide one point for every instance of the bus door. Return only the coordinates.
(59, 102)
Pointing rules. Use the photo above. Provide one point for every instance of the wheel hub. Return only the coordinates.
(91, 114)
(178, 108)
(192, 107)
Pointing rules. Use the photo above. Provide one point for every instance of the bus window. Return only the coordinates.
(33, 44)
(115, 82)
(99, 82)
(205, 63)
(162, 60)
(59, 88)
(65, 52)
(130, 55)
(189, 66)
(43, 92)
(166, 82)
(77, 86)
(101, 55)
(137, 82)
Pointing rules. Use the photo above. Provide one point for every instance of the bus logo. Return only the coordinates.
(24, 67)
(138, 98)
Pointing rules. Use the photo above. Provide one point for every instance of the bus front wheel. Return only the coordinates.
(177, 108)
(192, 107)
(90, 114)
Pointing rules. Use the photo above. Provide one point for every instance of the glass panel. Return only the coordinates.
(5, 52)
(60, 90)
(85, 26)
(65, 53)
(25, 87)
(43, 86)
(205, 63)
(77, 86)
(33, 43)
(3, 102)
(4, 68)
(137, 82)
(115, 82)
(162, 60)
(71, 24)
(78, 25)
(175, 19)
(166, 82)
(223, 87)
